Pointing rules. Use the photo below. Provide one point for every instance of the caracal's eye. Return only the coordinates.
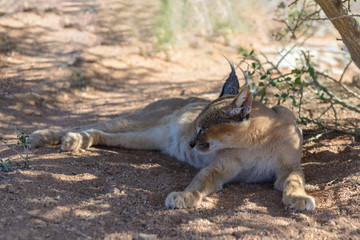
(199, 131)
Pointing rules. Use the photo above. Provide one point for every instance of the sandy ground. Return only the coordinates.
(50, 52)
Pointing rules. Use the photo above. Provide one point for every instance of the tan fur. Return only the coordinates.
(228, 144)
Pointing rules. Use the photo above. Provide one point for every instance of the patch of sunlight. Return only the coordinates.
(209, 203)
(108, 51)
(54, 214)
(78, 210)
(89, 215)
(313, 163)
(63, 177)
(122, 235)
(77, 178)
(210, 95)
(113, 63)
(201, 225)
(145, 165)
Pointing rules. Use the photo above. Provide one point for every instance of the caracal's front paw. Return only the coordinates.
(42, 137)
(71, 142)
(300, 202)
(182, 199)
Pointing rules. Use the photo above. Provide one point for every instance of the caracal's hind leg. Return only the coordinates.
(150, 139)
(292, 183)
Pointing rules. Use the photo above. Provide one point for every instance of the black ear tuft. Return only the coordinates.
(231, 85)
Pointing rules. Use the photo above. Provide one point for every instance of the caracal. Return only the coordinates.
(232, 138)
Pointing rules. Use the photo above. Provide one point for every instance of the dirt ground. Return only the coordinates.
(51, 50)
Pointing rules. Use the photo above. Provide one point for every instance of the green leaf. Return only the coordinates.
(261, 84)
(263, 94)
(253, 65)
(311, 71)
(243, 51)
(263, 77)
(281, 5)
(298, 80)
(296, 71)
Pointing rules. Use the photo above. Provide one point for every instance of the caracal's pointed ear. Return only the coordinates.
(241, 105)
(231, 85)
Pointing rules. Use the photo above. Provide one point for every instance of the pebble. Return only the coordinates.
(144, 236)
(331, 223)
(46, 203)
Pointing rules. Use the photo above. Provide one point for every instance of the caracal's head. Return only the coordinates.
(218, 126)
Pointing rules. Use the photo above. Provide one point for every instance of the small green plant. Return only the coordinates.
(5, 166)
(23, 142)
(80, 81)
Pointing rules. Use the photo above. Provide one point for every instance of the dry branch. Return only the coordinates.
(348, 27)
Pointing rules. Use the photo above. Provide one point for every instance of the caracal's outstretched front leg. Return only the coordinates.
(210, 179)
(121, 124)
(149, 117)
(292, 183)
(150, 139)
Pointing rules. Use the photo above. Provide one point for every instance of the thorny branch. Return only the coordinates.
(336, 99)
(346, 68)
(345, 180)
(19, 153)
(331, 98)
(272, 71)
(321, 125)
(348, 90)
(333, 18)
(317, 136)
